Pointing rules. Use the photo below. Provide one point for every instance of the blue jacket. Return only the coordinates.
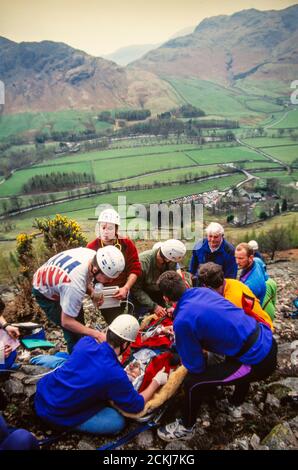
(225, 256)
(84, 385)
(203, 319)
(255, 278)
(262, 264)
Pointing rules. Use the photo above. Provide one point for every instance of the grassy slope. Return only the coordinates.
(68, 120)
(226, 102)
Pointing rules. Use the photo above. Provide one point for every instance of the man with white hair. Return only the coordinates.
(214, 249)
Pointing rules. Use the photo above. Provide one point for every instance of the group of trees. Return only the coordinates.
(275, 239)
(126, 115)
(57, 182)
(190, 128)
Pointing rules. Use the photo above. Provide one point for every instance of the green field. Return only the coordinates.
(282, 176)
(221, 101)
(269, 88)
(114, 169)
(116, 164)
(286, 119)
(264, 142)
(286, 154)
(88, 205)
(15, 183)
(170, 175)
(267, 164)
(69, 120)
(262, 106)
(223, 155)
(119, 153)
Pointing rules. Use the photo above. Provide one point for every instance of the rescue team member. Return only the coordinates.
(77, 394)
(145, 294)
(107, 229)
(204, 319)
(7, 355)
(60, 285)
(255, 246)
(216, 249)
(256, 278)
(211, 275)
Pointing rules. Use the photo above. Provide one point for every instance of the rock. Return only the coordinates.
(30, 369)
(239, 444)
(282, 388)
(255, 441)
(271, 400)
(249, 409)
(294, 423)
(291, 383)
(281, 437)
(294, 358)
(145, 439)
(19, 375)
(294, 345)
(30, 390)
(14, 387)
(177, 445)
(84, 445)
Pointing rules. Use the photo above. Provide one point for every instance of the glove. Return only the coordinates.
(161, 377)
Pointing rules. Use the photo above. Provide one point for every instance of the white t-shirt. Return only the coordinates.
(64, 277)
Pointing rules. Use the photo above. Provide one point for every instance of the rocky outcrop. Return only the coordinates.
(267, 420)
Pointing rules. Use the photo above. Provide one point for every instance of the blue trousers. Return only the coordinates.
(19, 439)
(106, 421)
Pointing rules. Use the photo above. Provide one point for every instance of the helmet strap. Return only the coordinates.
(123, 349)
(117, 244)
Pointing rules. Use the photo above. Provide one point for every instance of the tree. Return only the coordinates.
(284, 206)
(263, 215)
(276, 209)
(275, 239)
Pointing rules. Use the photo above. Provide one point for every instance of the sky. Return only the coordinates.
(100, 27)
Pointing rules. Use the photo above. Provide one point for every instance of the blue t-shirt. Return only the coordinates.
(203, 319)
(255, 279)
(85, 384)
(224, 256)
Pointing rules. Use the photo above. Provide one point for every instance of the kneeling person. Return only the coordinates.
(205, 320)
(77, 395)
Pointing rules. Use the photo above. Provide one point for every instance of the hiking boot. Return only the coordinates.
(176, 431)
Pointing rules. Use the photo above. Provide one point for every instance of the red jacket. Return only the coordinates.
(130, 253)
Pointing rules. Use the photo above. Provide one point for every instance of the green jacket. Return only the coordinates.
(146, 283)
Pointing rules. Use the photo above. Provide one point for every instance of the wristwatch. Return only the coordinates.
(4, 326)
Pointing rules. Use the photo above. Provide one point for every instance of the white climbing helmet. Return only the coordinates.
(109, 216)
(173, 250)
(111, 261)
(125, 326)
(253, 244)
(156, 245)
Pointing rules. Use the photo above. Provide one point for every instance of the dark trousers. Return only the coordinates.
(16, 439)
(141, 310)
(229, 372)
(53, 311)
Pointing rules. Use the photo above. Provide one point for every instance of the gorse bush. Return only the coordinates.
(60, 233)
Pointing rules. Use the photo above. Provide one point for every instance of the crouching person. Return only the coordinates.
(78, 394)
(204, 319)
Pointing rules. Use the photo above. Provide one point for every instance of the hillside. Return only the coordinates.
(249, 46)
(49, 76)
(268, 418)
